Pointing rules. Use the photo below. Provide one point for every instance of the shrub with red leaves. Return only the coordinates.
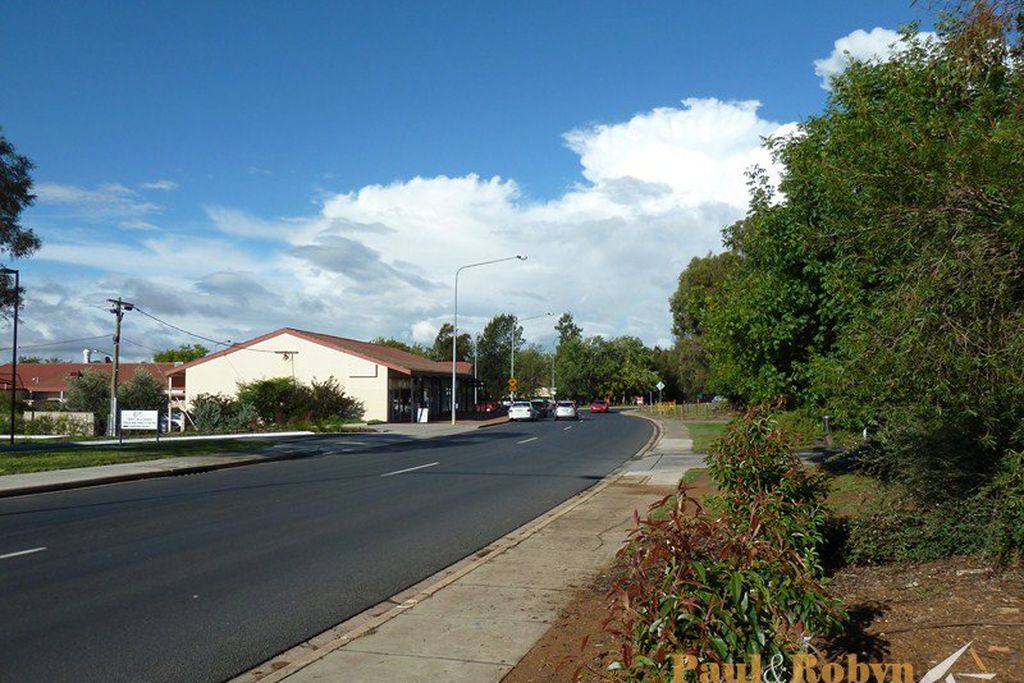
(724, 587)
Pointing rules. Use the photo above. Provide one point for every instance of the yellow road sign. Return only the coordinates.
(513, 384)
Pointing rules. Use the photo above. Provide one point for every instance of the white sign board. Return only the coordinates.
(140, 419)
(660, 385)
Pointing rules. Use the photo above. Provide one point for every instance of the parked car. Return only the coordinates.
(522, 411)
(542, 408)
(177, 422)
(487, 406)
(599, 406)
(566, 410)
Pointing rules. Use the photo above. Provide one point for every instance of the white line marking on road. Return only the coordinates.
(567, 428)
(532, 438)
(21, 552)
(410, 469)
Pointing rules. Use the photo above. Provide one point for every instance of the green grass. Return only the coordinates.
(704, 434)
(22, 462)
(847, 492)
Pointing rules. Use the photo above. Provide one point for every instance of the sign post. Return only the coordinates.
(142, 420)
(660, 385)
(513, 386)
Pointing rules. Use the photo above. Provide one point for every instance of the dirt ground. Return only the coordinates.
(917, 613)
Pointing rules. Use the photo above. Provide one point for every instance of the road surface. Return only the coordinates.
(201, 577)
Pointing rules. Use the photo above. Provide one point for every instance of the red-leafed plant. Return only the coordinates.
(722, 587)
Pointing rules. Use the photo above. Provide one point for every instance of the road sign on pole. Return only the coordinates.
(660, 385)
(513, 385)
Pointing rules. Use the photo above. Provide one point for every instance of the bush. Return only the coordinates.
(754, 459)
(282, 401)
(218, 414)
(277, 402)
(718, 588)
(901, 527)
(804, 426)
(90, 393)
(142, 391)
(746, 581)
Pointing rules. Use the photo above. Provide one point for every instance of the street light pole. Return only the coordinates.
(455, 324)
(14, 347)
(476, 363)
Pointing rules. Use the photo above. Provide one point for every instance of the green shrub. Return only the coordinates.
(219, 414)
(1006, 529)
(893, 529)
(60, 424)
(801, 424)
(753, 459)
(282, 401)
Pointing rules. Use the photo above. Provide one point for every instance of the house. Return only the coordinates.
(40, 382)
(392, 384)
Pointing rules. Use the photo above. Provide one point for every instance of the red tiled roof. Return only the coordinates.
(54, 376)
(401, 361)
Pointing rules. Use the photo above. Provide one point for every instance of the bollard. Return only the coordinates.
(827, 424)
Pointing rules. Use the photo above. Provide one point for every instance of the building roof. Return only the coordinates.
(53, 377)
(398, 360)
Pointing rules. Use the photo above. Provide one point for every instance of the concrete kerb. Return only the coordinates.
(655, 437)
(302, 655)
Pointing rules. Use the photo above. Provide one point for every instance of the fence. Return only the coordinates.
(690, 411)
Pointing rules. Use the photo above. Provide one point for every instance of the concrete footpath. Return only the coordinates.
(475, 621)
(295, 445)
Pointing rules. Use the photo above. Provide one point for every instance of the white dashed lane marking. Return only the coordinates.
(410, 469)
(532, 438)
(19, 553)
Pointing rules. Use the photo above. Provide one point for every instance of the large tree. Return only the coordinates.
(418, 349)
(884, 282)
(442, 348)
(181, 354)
(567, 328)
(16, 241)
(494, 353)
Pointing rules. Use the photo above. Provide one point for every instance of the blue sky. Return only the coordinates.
(242, 166)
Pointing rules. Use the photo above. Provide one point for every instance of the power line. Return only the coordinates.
(148, 348)
(182, 330)
(57, 343)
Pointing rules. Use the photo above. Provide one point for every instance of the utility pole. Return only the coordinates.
(118, 308)
(14, 347)
(476, 363)
(551, 389)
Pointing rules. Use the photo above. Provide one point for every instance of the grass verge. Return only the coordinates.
(704, 434)
(23, 462)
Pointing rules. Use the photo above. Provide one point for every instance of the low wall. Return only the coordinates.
(63, 422)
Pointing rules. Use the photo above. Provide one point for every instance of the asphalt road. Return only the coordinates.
(201, 577)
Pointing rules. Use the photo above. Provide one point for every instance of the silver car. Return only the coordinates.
(522, 410)
(566, 409)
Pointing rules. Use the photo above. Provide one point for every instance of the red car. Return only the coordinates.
(599, 406)
(487, 406)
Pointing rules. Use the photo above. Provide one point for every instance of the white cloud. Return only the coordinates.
(425, 331)
(164, 185)
(861, 46)
(655, 190)
(108, 203)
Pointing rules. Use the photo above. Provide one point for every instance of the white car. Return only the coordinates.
(522, 410)
(566, 409)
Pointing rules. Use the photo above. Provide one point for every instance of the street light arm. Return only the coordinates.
(455, 315)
